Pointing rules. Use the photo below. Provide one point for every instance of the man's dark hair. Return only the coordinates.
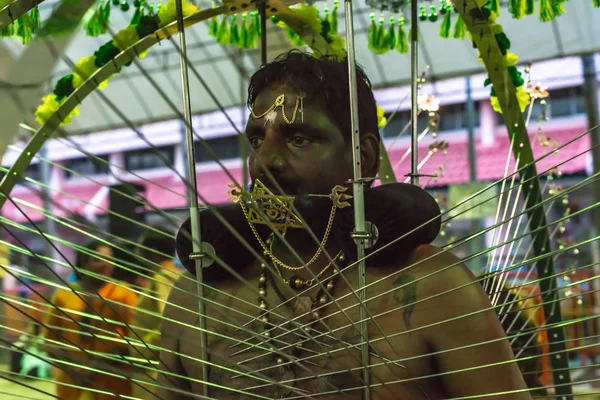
(83, 255)
(158, 242)
(324, 80)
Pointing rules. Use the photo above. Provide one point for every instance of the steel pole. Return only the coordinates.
(414, 93)
(193, 194)
(358, 192)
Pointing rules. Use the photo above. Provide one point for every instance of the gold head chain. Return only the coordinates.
(271, 112)
(278, 210)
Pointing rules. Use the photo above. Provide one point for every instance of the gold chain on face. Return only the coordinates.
(268, 250)
(280, 102)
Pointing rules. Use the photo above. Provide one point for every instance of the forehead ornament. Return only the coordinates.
(271, 113)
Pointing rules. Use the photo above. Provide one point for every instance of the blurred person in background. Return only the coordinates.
(157, 252)
(106, 312)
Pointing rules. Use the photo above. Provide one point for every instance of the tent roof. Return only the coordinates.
(226, 69)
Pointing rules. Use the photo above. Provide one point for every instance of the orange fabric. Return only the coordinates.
(114, 306)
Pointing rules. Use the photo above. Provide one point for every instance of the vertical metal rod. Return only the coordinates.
(358, 193)
(590, 91)
(262, 9)
(50, 224)
(193, 195)
(414, 92)
(242, 142)
(475, 245)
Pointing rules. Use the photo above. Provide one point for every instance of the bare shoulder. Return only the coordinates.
(182, 298)
(439, 270)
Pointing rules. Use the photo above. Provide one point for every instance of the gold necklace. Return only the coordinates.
(268, 250)
(297, 283)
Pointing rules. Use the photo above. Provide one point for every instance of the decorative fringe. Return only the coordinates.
(494, 6)
(596, 3)
(36, 20)
(382, 40)
(546, 10)
(557, 8)
(402, 42)
(446, 25)
(223, 33)
(257, 23)
(213, 27)
(137, 16)
(244, 42)
(24, 29)
(529, 7)
(460, 29)
(234, 33)
(516, 8)
(98, 24)
(391, 34)
(333, 18)
(8, 31)
(372, 34)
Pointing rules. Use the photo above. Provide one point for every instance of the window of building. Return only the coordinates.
(565, 102)
(225, 147)
(87, 166)
(157, 157)
(33, 172)
(452, 117)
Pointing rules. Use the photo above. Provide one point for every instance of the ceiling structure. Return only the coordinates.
(139, 91)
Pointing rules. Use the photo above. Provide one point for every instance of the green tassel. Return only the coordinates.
(24, 29)
(252, 34)
(391, 35)
(98, 24)
(244, 42)
(446, 25)
(234, 31)
(8, 31)
(382, 41)
(517, 8)
(557, 8)
(36, 21)
(223, 34)
(529, 7)
(546, 11)
(402, 42)
(213, 27)
(372, 34)
(137, 16)
(596, 3)
(257, 24)
(494, 6)
(333, 19)
(460, 29)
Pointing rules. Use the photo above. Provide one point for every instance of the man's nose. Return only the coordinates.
(270, 154)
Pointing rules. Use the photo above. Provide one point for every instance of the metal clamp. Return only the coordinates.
(206, 255)
(368, 238)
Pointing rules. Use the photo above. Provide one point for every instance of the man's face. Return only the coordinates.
(308, 156)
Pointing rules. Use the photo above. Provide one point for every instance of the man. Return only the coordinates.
(434, 333)
(157, 251)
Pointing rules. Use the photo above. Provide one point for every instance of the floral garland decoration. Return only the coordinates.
(87, 66)
(326, 27)
(510, 59)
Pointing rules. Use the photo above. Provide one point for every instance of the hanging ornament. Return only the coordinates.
(333, 19)
(402, 42)
(234, 34)
(223, 33)
(124, 6)
(423, 14)
(446, 23)
(391, 33)
(433, 15)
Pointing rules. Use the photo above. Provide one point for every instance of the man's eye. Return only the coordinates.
(255, 142)
(299, 141)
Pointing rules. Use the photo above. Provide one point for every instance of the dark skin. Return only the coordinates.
(424, 324)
